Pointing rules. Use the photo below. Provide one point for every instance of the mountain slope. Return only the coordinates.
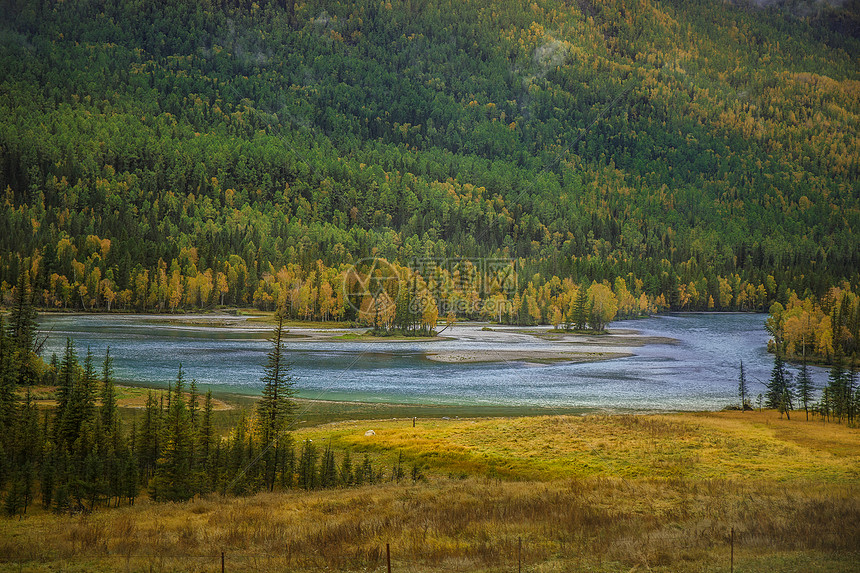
(675, 140)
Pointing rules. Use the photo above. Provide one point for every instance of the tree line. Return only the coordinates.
(508, 291)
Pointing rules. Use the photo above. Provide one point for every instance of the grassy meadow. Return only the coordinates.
(583, 493)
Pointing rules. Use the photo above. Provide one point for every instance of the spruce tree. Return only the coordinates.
(308, 466)
(206, 446)
(743, 388)
(46, 478)
(173, 479)
(149, 444)
(328, 469)
(108, 394)
(67, 380)
(22, 319)
(288, 465)
(8, 383)
(276, 405)
(579, 312)
(805, 388)
(238, 457)
(776, 386)
(346, 475)
(14, 501)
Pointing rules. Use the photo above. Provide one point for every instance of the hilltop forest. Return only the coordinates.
(683, 154)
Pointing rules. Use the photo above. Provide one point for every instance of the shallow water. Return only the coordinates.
(699, 372)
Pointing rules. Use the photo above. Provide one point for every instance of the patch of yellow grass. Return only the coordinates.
(126, 397)
(724, 445)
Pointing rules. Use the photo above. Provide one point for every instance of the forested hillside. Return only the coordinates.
(185, 154)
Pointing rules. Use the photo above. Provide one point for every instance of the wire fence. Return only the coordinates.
(378, 559)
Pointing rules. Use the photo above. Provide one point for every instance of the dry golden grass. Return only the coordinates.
(596, 493)
(126, 397)
(713, 445)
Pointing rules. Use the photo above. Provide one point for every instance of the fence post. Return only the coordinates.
(387, 557)
(222, 562)
(732, 565)
(519, 554)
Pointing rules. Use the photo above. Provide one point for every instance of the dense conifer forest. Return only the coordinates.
(683, 154)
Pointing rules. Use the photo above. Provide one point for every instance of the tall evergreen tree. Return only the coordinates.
(238, 457)
(149, 444)
(8, 383)
(308, 466)
(173, 479)
(328, 469)
(108, 394)
(805, 388)
(579, 311)
(67, 380)
(276, 405)
(777, 384)
(743, 388)
(206, 446)
(347, 477)
(22, 319)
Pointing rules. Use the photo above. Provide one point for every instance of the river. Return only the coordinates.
(698, 371)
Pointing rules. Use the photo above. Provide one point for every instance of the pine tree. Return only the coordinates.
(805, 388)
(743, 388)
(149, 444)
(328, 469)
(276, 405)
(346, 475)
(22, 318)
(238, 457)
(46, 478)
(14, 501)
(579, 311)
(786, 400)
(288, 465)
(29, 442)
(205, 446)
(173, 479)
(65, 392)
(308, 466)
(108, 394)
(64, 473)
(131, 477)
(8, 383)
(777, 384)
(365, 473)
